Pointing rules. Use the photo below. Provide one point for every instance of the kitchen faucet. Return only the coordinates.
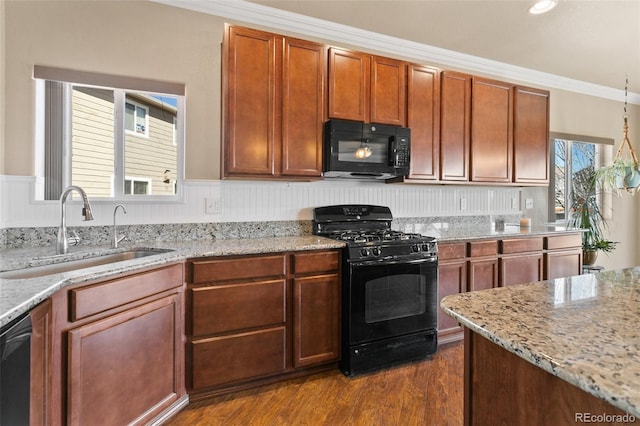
(62, 242)
(116, 240)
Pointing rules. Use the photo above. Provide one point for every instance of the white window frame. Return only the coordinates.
(603, 150)
(120, 85)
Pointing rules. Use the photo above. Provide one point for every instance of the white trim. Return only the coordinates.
(278, 19)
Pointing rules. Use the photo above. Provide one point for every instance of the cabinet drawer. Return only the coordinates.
(238, 357)
(235, 307)
(483, 248)
(562, 242)
(221, 269)
(93, 299)
(452, 251)
(307, 263)
(521, 245)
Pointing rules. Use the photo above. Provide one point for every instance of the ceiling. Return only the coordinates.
(592, 41)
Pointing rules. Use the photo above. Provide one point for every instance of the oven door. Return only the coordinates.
(391, 298)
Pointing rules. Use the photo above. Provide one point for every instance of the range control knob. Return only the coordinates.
(375, 251)
(365, 252)
(415, 248)
(425, 247)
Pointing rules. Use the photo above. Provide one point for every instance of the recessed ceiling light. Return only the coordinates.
(542, 6)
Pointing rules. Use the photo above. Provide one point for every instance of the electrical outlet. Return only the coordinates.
(528, 203)
(463, 204)
(213, 205)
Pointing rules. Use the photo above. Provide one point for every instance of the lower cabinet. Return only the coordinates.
(257, 319)
(563, 257)
(126, 361)
(484, 264)
(521, 260)
(116, 350)
(520, 268)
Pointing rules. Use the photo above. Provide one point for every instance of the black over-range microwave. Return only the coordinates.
(353, 149)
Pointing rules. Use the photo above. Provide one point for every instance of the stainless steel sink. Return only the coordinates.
(72, 265)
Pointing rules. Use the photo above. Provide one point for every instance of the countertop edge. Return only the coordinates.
(41, 288)
(545, 363)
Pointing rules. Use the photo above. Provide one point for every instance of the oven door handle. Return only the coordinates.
(432, 259)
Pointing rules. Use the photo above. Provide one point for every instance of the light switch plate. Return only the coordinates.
(528, 203)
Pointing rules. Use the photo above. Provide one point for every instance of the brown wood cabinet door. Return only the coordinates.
(316, 320)
(491, 131)
(303, 105)
(388, 91)
(252, 65)
(455, 119)
(531, 136)
(238, 357)
(483, 274)
(423, 118)
(225, 308)
(520, 269)
(452, 279)
(349, 84)
(125, 365)
(564, 263)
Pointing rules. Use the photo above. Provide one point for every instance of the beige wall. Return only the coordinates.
(149, 40)
(132, 38)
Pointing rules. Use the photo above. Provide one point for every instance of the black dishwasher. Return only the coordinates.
(15, 366)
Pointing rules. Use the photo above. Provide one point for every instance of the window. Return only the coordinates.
(137, 186)
(113, 142)
(135, 119)
(573, 159)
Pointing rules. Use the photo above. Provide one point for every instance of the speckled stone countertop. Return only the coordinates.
(18, 296)
(453, 233)
(584, 329)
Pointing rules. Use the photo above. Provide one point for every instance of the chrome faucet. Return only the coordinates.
(116, 240)
(62, 242)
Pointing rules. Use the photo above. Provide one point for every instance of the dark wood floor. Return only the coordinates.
(424, 393)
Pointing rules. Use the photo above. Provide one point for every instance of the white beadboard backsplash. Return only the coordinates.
(240, 201)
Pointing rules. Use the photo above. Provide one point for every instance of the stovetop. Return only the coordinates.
(368, 234)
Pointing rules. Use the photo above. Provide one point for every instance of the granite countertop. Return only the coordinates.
(582, 329)
(18, 296)
(453, 233)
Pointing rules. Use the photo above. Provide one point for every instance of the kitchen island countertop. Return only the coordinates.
(582, 329)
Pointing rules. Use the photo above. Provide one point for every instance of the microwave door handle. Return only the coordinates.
(393, 152)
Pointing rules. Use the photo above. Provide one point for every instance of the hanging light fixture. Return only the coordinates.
(363, 151)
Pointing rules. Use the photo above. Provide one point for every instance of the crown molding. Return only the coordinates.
(257, 14)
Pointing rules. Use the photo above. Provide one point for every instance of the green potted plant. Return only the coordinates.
(620, 174)
(585, 214)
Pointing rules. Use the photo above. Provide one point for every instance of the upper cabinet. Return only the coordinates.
(491, 130)
(455, 122)
(278, 91)
(531, 136)
(423, 118)
(274, 98)
(366, 88)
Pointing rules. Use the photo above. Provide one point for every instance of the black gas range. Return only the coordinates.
(389, 288)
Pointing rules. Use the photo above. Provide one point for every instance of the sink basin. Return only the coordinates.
(72, 265)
